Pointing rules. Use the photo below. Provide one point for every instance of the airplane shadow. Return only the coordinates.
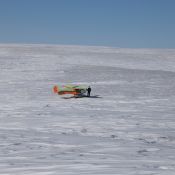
(82, 96)
(94, 96)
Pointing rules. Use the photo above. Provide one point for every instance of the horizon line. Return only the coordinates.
(80, 45)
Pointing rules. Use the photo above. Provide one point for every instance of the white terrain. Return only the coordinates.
(127, 127)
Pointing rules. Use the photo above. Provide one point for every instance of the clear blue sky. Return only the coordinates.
(117, 23)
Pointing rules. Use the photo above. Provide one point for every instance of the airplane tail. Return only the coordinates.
(55, 89)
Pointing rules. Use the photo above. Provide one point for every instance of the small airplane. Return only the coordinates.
(76, 90)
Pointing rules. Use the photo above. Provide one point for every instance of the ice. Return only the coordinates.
(126, 128)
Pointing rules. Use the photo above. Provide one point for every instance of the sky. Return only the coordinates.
(115, 23)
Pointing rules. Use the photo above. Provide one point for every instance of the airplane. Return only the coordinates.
(76, 90)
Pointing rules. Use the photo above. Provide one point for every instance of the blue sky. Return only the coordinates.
(116, 23)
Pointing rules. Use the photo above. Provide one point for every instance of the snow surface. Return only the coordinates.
(126, 128)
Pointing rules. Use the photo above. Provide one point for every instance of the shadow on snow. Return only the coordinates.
(82, 96)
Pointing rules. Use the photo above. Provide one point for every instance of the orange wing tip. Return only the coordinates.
(55, 89)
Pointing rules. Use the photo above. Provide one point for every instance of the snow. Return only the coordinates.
(126, 128)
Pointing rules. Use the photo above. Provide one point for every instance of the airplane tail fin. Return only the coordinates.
(55, 89)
